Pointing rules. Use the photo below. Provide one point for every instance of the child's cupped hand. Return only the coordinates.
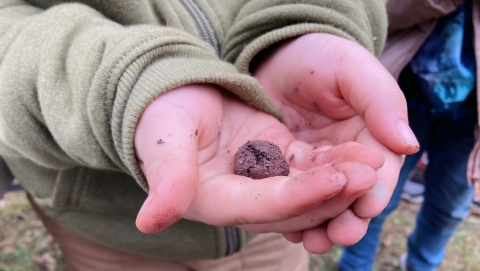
(185, 143)
(330, 91)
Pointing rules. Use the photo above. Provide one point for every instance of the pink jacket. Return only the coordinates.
(410, 23)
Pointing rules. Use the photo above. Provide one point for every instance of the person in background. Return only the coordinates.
(431, 50)
(415, 186)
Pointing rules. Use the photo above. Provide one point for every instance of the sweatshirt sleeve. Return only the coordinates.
(74, 83)
(260, 24)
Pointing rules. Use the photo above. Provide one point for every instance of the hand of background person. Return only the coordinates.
(330, 91)
(190, 171)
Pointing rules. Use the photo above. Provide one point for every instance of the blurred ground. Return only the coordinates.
(25, 246)
(24, 243)
(463, 251)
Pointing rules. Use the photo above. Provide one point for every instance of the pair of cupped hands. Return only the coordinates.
(344, 133)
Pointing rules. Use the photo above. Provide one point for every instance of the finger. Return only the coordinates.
(347, 229)
(377, 97)
(304, 156)
(360, 179)
(168, 155)
(316, 240)
(240, 200)
(375, 200)
(367, 155)
(294, 237)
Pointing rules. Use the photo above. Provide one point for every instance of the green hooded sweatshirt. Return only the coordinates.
(75, 76)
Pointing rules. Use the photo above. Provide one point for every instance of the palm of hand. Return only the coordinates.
(331, 91)
(318, 123)
(190, 174)
(311, 85)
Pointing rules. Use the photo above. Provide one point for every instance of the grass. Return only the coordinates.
(463, 251)
(24, 243)
(26, 246)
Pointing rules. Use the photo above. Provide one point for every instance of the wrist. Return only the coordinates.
(189, 101)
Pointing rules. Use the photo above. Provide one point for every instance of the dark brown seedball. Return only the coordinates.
(260, 159)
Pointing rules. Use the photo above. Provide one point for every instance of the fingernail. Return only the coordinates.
(146, 204)
(406, 134)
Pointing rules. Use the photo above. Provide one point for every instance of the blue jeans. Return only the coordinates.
(447, 196)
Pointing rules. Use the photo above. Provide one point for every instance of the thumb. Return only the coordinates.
(172, 179)
(166, 148)
(377, 97)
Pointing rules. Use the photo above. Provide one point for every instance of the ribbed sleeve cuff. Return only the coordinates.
(261, 24)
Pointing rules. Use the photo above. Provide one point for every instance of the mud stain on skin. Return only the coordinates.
(317, 107)
(164, 220)
(291, 157)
